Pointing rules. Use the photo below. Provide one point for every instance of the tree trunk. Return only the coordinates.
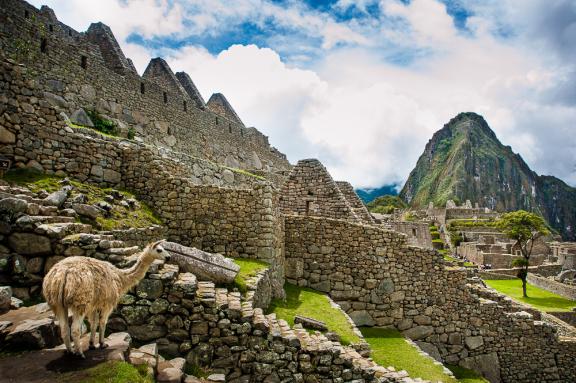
(524, 288)
(524, 278)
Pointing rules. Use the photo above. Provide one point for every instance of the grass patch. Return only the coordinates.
(81, 127)
(119, 218)
(248, 269)
(538, 298)
(465, 375)
(244, 172)
(313, 304)
(389, 348)
(111, 372)
(195, 370)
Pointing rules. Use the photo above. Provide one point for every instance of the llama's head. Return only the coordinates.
(156, 251)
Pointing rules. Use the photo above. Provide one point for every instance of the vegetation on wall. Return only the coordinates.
(102, 124)
(119, 217)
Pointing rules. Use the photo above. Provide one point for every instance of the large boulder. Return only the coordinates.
(85, 210)
(80, 117)
(34, 334)
(58, 197)
(419, 332)
(206, 266)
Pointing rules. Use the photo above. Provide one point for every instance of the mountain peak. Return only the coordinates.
(465, 161)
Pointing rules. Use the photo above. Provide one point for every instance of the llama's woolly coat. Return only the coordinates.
(84, 285)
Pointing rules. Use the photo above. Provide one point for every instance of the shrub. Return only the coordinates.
(131, 133)
(101, 124)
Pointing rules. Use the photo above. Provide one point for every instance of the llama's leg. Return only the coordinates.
(62, 315)
(93, 319)
(77, 320)
(102, 327)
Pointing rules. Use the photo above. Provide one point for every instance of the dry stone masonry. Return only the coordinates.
(184, 162)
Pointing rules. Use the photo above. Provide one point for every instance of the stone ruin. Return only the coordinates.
(308, 229)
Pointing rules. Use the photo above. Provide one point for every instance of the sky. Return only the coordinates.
(362, 85)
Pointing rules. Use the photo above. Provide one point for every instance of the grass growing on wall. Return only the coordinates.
(119, 218)
(110, 372)
(538, 298)
(248, 269)
(389, 348)
(316, 305)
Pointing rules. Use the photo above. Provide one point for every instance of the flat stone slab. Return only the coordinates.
(206, 266)
(310, 323)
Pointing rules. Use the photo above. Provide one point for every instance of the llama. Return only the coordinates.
(90, 287)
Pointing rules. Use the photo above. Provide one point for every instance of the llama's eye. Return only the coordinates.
(159, 250)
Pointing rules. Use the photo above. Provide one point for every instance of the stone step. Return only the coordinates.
(222, 298)
(207, 293)
(260, 321)
(108, 242)
(61, 230)
(235, 302)
(247, 311)
(33, 220)
(185, 285)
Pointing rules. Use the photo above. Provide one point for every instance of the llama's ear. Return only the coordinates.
(157, 243)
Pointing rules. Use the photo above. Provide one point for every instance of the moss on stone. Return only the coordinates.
(110, 372)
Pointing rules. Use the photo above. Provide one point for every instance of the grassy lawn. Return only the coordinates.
(119, 218)
(110, 372)
(313, 304)
(538, 298)
(248, 269)
(389, 348)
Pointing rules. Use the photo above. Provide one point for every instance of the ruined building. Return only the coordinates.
(191, 161)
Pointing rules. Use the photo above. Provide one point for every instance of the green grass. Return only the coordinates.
(538, 298)
(248, 269)
(465, 375)
(389, 348)
(81, 127)
(120, 217)
(316, 305)
(244, 172)
(110, 372)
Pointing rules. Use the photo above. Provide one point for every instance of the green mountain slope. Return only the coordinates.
(465, 160)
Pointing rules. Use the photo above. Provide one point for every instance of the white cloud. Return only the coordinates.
(366, 119)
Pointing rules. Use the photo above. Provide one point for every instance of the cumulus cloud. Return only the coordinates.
(365, 93)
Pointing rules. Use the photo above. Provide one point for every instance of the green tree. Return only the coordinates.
(524, 228)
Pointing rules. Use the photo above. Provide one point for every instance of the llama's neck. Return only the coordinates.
(133, 275)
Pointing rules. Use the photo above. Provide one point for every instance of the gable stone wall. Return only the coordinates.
(379, 280)
(73, 67)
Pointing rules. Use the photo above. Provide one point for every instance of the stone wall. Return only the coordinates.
(233, 221)
(417, 233)
(498, 255)
(216, 329)
(84, 70)
(467, 213)
(379, 280)
(553, 286)
(138, 236)
(311, 191)
(355, 202)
